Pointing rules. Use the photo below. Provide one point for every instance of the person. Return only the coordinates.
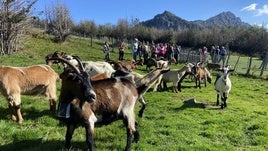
(204, 52)
(140, 50)
(154, 51)
(216, 55)
(106, 50)
(222, 53)
(170, 52)
(264, 58)
(177, 51)
(135, 49)
(121, 51)
(146, 51)
(162, 51)
(212, 53)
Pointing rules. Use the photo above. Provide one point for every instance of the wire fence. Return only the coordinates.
(243, 65)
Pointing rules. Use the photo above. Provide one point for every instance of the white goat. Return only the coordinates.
(173, 76)
(223, 86)
(162, 64)
(93, 67)
(97, 67)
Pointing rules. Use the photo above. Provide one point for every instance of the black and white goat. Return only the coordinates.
(101, 101)
(223, 86)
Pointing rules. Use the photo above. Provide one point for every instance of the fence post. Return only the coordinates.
(249, 66)
(236, 64)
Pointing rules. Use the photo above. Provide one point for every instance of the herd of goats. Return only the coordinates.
(100, 92)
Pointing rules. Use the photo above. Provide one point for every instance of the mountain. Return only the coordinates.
(167, 20)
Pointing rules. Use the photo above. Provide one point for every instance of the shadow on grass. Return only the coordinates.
(202, 105)
(39, 145)
(55, 145)
(27, 113)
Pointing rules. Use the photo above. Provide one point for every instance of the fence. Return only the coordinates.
(243, 65)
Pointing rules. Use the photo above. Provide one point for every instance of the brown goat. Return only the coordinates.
(125, 65)
(99, 76)
(115, 98)
(213, 66)
(31, 80)
(201, 74)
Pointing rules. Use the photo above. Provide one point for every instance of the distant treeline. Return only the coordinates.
(249, 41)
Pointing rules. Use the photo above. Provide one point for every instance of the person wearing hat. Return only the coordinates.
(135, 49)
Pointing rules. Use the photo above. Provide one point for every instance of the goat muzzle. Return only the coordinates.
(92, 97)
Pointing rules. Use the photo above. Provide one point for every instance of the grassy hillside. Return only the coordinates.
(168, 123)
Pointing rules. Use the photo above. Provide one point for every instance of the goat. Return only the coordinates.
(213, 66)
(162, 64)
(125, 65)
(99, 76)
(223, 86)
(111, 99)
(149, 80)
(92, 67)
(55, 54)
(139, 80)
(31, 80)
(173, 76)
(150, 63)
(201, 74)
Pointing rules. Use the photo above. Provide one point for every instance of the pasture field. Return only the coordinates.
(168, 123)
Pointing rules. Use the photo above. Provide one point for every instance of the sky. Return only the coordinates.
(110, 11)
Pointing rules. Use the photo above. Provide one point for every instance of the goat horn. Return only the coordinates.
(79, 62)
(65, 61)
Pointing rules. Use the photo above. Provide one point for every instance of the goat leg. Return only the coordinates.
(218, 102)
(224, 99)
(179, 86)
(129, 141)
(18, 111)
(12, 112)
(53, 106)
(89, 138)
(136, 134)
(143, 107)
(164, 85)
(69, 135)
(223, 103)
(129, 135)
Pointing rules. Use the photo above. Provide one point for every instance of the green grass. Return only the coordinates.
(168, 123)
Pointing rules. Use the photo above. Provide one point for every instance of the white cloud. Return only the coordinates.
(263, 10)
(250, 7)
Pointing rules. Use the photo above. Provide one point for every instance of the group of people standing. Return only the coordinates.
(144, 50)
(106, 51)
(218, 54)
(157, 51)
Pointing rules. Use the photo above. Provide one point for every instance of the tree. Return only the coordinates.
(86, 28)
(14, 19)
(59, 22)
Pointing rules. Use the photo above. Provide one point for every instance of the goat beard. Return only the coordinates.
(224, 81)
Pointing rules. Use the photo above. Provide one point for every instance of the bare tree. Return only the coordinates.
(14, 19)
(59, 22)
